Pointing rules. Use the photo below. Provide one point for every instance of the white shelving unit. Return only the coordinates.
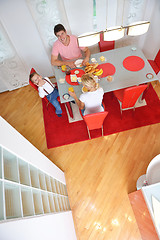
(27, 191)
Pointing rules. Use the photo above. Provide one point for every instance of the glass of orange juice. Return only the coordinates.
(71, 89)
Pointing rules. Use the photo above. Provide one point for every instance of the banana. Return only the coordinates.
(99, 72)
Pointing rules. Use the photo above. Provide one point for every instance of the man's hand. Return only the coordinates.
(85, 61)
(71, 64)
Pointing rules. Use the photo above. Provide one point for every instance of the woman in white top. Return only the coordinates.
(90, 101)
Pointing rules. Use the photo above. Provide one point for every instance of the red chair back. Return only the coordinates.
(34, 86)
(157, 59)
(95, 120)
(105, 45)
(131, 95)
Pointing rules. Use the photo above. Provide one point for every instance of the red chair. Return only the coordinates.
(36, 88)
(105, 45)
(128, 97)
(95, 121)
(155, 64)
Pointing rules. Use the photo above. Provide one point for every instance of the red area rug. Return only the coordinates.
(60, 132)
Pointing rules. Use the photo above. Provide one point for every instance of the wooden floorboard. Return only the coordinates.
(99, 173)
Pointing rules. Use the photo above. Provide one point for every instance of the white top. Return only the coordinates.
(92, 101)
(48, 87)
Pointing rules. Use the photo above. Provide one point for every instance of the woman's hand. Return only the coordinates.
(72, 94)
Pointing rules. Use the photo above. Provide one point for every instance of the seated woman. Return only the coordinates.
(90, 101)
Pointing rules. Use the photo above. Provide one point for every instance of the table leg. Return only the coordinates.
(68, 105)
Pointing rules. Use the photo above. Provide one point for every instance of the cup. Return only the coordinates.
(71, 89)
(68, 70)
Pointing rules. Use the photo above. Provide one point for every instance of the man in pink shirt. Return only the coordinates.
(67, 47)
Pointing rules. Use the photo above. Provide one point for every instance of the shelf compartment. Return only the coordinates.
(1, 163)
(63, 203)
(34, 177)
(53, 185)
(42, 181)
(48, 183)
(68, 205)
(51, 202)
(60, 203)
(57, 186)
(1, 201)
(37, 202)
(27, 202)
(45, 202)
(10, 166)
(55, 200)
(24, 175)
(65, 190)
(12, 201)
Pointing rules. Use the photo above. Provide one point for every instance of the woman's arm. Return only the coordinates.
(79, 103)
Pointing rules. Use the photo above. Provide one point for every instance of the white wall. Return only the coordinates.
(17, 21)
(152, 40)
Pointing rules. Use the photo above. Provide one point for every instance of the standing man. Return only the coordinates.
(68, 48)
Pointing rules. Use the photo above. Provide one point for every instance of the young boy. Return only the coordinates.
(46, 88)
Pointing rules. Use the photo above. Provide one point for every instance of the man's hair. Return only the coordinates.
(58, 28)
(31, 75)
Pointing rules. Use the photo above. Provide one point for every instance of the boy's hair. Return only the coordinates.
(58, 28)
(31, 75)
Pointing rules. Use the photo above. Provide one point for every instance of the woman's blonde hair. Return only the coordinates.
(88, 80)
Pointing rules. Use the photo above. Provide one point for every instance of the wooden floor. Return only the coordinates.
(99, 173)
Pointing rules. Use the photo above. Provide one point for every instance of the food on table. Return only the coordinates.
(76, 72)
(93, 60)
(78, 63)
(109, 78)
(71, 89)
(84, 89)
(61, 80)
(73, 78)
(64, 68)
(102, 58)
(79, 80)
(98, 72)
(91, 68)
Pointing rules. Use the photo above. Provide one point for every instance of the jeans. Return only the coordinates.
(52, 98)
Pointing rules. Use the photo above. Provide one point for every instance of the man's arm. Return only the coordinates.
(56, 62)
(87, 55)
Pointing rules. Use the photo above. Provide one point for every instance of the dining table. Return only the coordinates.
(127, 65)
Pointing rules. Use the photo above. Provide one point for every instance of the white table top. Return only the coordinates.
(122, 77)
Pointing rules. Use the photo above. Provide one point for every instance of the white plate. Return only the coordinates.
(66, 96)
(78, 63)
(133, 48)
